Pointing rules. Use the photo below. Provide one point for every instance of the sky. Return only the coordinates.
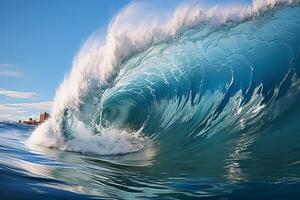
(38, 41)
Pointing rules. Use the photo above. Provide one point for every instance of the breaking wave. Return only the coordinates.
(194, 79)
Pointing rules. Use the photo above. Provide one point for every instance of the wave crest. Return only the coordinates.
(193, 67)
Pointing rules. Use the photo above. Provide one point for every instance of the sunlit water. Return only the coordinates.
(53, 174)
(204, 106)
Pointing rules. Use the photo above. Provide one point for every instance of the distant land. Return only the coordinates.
(43, 117)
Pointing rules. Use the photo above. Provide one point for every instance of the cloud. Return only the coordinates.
(12, 73)
(9, 109)
(16, 94)
(10, 113)
(46, 105)
(21, 111)
(8, 70)
(6, 65)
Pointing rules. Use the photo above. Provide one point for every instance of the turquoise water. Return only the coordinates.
(53, 174)
(212, 113)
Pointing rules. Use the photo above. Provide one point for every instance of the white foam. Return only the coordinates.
(108, 142)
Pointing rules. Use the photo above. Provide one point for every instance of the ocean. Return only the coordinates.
(202, 105)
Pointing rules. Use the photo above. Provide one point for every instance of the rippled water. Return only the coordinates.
(204, 106)
(53, 174)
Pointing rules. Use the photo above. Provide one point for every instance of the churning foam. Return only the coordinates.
(109, 141)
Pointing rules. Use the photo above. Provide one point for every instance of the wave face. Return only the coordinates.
(204, 83)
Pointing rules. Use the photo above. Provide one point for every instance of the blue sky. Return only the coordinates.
(38, 40)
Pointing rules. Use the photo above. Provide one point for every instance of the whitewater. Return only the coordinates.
(211, 89)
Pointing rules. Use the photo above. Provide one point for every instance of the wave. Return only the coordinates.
(178, 79)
